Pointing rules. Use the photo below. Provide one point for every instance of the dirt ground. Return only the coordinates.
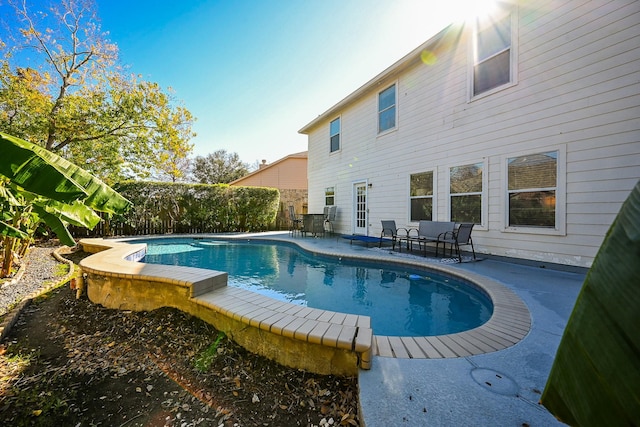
(68, 362)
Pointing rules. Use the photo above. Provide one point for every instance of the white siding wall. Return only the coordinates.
(577, 91)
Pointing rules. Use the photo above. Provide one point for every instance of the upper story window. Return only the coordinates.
(465, 190)
(532, 186)
(387, 109)
(493, 63)
(421, 196)
(334, 135)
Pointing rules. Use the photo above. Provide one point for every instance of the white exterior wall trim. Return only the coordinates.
(485, 190)
(561, 194)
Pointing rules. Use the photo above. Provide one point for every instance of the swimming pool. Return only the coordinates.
(400, 302)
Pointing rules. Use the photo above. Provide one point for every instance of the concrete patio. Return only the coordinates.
(501, 388)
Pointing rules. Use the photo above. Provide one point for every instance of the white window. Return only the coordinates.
(421, 196)
(334, 135)
(494, 63)
(535, 191)
(387, 109)
(329, 196)
(466, 193)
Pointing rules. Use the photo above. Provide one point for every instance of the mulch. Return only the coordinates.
(67, 361)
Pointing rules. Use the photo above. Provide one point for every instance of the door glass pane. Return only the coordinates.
(361, 206)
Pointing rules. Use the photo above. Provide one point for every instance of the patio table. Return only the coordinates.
(313, 223)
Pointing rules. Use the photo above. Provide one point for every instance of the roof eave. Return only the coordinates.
(405, 62)
(300, 155)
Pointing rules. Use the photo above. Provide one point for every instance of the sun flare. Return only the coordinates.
(470, 10)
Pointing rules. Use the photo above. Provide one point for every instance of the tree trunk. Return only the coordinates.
(7, 260)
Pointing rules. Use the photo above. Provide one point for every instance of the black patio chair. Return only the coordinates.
(389, 230)
(330, 217)
(295, 221)
(460, 237)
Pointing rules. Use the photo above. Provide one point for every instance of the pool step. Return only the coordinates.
(327, 328)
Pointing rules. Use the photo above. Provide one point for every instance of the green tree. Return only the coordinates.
(219, 167)
(62, 88)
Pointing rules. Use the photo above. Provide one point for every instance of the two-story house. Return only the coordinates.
(526, 123)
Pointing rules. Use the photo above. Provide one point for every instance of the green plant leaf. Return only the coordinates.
(9, 231)
(7, 195)
(42, 172)
(57, 226)
(75, 213)
(595, 376)
(35, 169)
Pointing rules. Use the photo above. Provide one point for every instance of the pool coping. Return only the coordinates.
(509, 323)
(319, 341)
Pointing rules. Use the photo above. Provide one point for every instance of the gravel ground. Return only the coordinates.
(40, 272)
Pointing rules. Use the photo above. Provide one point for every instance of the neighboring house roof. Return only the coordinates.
(279, 174)
(413, 58)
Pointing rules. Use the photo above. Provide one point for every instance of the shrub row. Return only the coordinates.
(160, 207)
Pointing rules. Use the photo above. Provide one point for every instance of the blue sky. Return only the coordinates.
(254, 72)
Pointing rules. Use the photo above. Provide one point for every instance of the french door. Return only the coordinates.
(360, 219)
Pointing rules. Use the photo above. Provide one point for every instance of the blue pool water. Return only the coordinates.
(400, 302)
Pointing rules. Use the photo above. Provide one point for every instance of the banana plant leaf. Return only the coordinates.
(595, 377)
(75, 213)
(47, 174)
(57, 226)
(7, 195)
(7, 230)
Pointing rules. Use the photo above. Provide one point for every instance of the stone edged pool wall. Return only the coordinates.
(314, 340)
(508, 325)
(309, 333)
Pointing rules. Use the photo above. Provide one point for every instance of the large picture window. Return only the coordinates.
(493, 56)
(532, 189)
(334, 135)
(421, 196)
(387, 109)
(465, 189)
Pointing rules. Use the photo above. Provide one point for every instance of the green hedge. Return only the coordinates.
(160, 207)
